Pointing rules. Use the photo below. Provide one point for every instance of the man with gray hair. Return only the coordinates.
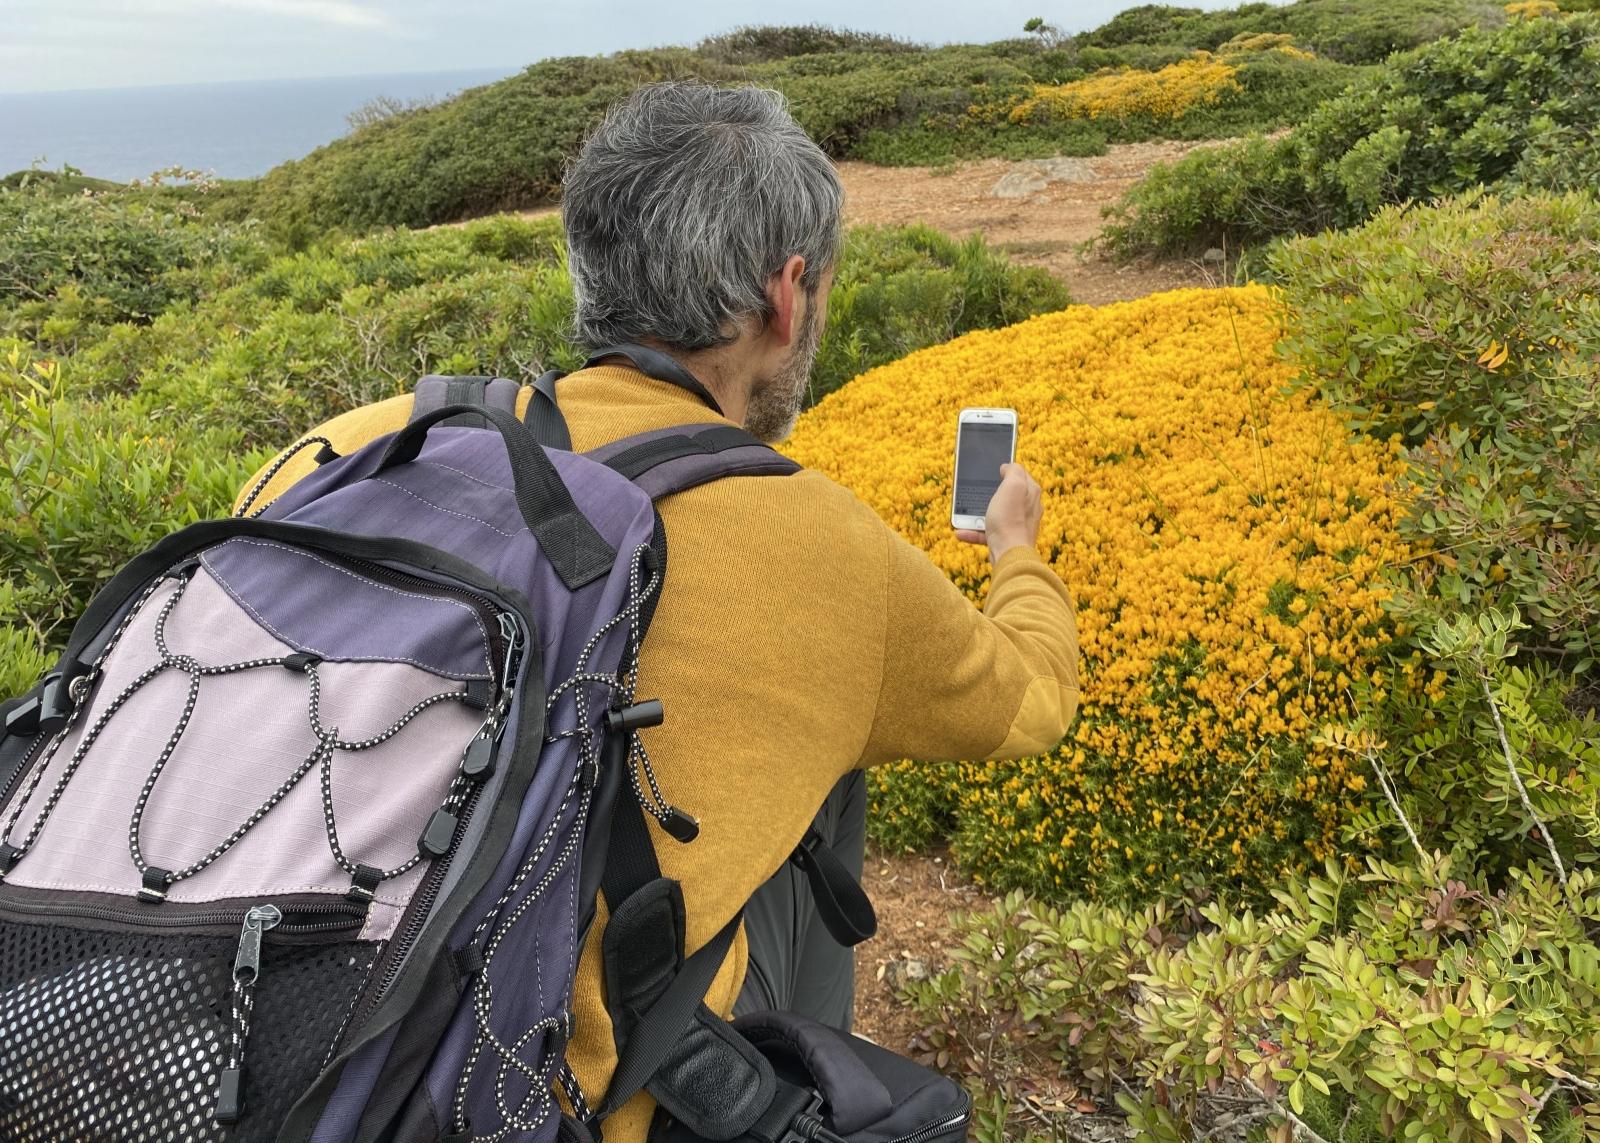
(798, 639)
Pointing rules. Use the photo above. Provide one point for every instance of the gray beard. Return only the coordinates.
(775, 406)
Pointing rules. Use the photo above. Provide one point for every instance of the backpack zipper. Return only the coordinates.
(486, 611)
(809, 1125)
(422, 901)
(173, 915)
(933, 1130)
(246, 970)
(293, 918)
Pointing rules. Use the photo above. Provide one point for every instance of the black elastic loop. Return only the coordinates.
(154, 885)
(543, 416)
(661, 366)
(364, 884)
(844, 907)
(579, 554)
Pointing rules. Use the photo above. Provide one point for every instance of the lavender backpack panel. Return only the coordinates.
(495, 1064)
(385, 680)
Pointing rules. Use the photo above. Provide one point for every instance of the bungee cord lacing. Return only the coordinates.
(619, 689)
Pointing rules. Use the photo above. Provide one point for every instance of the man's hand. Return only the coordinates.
(1012, 520)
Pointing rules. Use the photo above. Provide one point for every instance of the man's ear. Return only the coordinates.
(784, 293)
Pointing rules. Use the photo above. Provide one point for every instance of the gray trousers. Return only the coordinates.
(795, 964)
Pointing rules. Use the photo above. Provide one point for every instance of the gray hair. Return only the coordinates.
(681, 207)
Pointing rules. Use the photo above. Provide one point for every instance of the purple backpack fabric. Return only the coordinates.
(300, 839)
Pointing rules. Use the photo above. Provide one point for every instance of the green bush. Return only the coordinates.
(1512, 106)
(150, 390)
(67, 262)
(498, 147)
(1472, 330)
(1412, 1001)
(763, 44)
(1350, 31)
(901, 289)
(85, 486)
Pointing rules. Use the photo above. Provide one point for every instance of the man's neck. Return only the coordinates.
(723, 371)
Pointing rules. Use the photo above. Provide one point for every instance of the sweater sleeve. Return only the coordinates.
(963, 683)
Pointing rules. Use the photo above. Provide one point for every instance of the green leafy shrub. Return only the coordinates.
(67, 262)
(1513, 106)
(1411, 1001)
(901, 289)
(1351, 31)
(491, 148)
(85, 486)
(763, 44)
(1472, 330)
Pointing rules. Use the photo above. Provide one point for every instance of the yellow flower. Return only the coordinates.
(1223, 542)
(1170, 93)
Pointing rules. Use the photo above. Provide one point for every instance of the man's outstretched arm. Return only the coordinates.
(960, 683)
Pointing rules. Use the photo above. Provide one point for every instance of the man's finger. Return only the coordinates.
(969, 536)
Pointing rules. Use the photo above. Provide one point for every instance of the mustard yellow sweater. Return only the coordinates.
(797, 638)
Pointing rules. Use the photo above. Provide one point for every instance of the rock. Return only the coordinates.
(898, 973)
(1213, 255)
(1019, 184)
(1064, 170)
(1036, 174)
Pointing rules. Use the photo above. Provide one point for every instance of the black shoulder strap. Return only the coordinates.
(544, 416)
(673, 460)
(661, 366)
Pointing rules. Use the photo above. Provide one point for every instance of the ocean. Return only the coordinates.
(237, 130)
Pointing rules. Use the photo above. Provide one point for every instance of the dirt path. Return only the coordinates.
(1040, 212)
(914, 896)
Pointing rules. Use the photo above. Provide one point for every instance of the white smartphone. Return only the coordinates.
(985, 439)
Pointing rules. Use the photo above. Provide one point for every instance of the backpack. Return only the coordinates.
(302, 837)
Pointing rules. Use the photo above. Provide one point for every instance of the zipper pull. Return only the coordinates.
(246, 968)
(477, 761)
(511, 630)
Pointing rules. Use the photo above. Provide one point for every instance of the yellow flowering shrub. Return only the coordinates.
(1533, 9)
(1169, 93)
(1254, 43)
(1223, 540)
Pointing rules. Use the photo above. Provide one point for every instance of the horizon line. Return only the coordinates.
(507, 69)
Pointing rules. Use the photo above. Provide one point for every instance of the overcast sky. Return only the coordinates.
(49, 45)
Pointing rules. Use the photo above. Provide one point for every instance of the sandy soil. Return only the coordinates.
(1045, 226)
(1041, 212)
(914, 897)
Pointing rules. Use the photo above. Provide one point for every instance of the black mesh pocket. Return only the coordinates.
(119, 1037)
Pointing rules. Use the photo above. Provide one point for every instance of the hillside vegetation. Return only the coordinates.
(150, 359)
(1511, 108)
(502, 146)
(1320, 857)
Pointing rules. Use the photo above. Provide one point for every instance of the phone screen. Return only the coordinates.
(980, 451)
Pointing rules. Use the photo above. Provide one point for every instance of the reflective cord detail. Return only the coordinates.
(273, 469)
(497, 922)
(79, 693)
(156, 880)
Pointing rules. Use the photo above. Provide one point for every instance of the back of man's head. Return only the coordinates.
(683, 205)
